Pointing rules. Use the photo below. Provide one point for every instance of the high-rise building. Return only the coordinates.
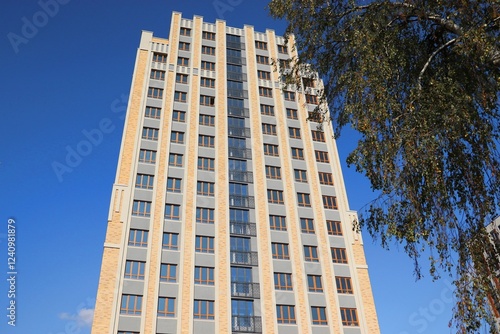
(229, 212)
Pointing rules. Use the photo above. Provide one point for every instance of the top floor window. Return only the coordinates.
(208, 35)
(185, 31)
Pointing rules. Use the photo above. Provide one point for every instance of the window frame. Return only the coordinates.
(170, 241)
(264, 75)
(208, 35)
(155, 93)
(292, 113)
(280, 251)
(260, 45)
(318, 136)
(204, 275)
(184, 46)
(204, 309)
(157, 75)
(326, 178)
(169, 304)
(185, 31)
(207, 120)
(170, 270)
(311, 253)
(144, 181)
(181, 78)
(297, 153)
(139, 238)
(207, 65)
(275, 196)
(264, 60)
(205, 163)
(267, 110)
(134, 270)
(206, 141)
(205, 188)
(172, 211)
(180, 96)
(147, 156)
(344, 284)
(271, 150)
(141, 208)
(307, 225)
(205, 48)
(205, 215)
(127, 300)
(152, 112)
(174, 184)
(330, 202)
(285, 314)
(207, 82)
(265, 92)
(283, 281)
(277, 223)
(339, 255)
(294, 133)
(269, 129)
(349, 316)
(318, 315)
(173, 159)
(177, 137)
(334, 227)
(321, 156)
(314, 283)
(204, 244)
(183, 61)
(273, 172)
(300, 175)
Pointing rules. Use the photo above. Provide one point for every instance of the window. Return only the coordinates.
(261, 45)
(184, 46)
(144, 181)
(284, 63)
(207, 82)
(339, 255)
(307, 225)
(181, 78)
(185, 31)
(309, 82)
(277, 223)
(349, 316)
(206, 163)
(166, 307)
(172, 211)
(208, 50)
(300, 175)
(294, 133)
(303, 200)
(318, 135)
(269, 129)
(141, 208)
(282, 49)
(155, 93)
(179, 116)
(264, 75)
(170, 241)
(273, 172)
(285, 314)
(318, 315)
(291, 113)
(152, 112)
(275, 196)
(330, 202)
(204, 244)
(159, 58)
(344, 284)
(204, 275)
(205, 188)
(207, 65)
(321, 156)
(266, 92)
(157, 75)
(289, 96)
(311, 253)
(180, 96)
(325, 178)
(147, 156)
(334, 227)
(173, 185)
(131, 304)
(183, 61)
(134, 269)
(262, 60)
(207, 120)
(315, 116)
(267, 110)
(280, 251)
(297, 153)
(208, 35)
(283, 281)
(206, 100)
(168, 272)
(314, 283)
(205, 215)
(150, 133)
(312, 99)
(270, 149)
(203, 309)
(206, 141)
(175, 159)
(177, 137)
(138, 238)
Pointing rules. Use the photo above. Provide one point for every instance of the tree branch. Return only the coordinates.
(451, 41)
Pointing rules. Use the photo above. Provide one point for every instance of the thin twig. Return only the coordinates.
(451, 41)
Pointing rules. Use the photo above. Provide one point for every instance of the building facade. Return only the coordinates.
(229, 212)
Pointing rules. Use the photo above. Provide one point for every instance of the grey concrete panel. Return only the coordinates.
(133, 287)
(285, 298)
(137, 253)
(166, 325)
(282, 266)
(149, 145)
(129, 323)
(317, 299)
(172, 226)
(317, 329)
(170, 256)
(205, 229)
(203, 326)
(337, 241)
(279, 236)
(205, 260)
(274, 184)
(168, 290)
(158, 103)
(204, 292)
(313, 268)
(140, 223)
(309, 239)
(352, 330)
(288, 329)
(143, 195)
(206, 152)
(347, 301)
(341, 270)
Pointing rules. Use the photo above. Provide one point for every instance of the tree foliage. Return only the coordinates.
(419, 80)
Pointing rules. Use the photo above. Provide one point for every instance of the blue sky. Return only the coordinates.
(65, 70)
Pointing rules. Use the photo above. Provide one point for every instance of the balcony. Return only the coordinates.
(245, 290)
(244, 258)
(235, 45)
(241, 201)
(236, 131)
(242, 153)
(237, 93)
(240, 176)
(238, 111)
(236, 76)
(236, 60)
(240, 228)
(246, 324)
